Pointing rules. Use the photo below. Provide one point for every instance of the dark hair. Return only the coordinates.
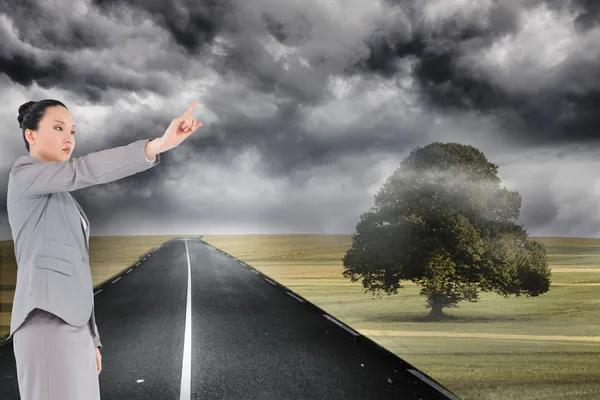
(31, 113)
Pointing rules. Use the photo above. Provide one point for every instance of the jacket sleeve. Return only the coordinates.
(38, 178)
(97, 342)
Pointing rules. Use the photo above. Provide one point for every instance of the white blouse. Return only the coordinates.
(83, 222)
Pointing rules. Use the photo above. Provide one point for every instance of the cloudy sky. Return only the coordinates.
(292, 92)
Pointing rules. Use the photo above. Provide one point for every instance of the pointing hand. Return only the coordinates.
(179, 130)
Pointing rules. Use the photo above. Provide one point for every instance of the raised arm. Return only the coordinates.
(33, 177)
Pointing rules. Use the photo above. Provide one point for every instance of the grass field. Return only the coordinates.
(516, 348)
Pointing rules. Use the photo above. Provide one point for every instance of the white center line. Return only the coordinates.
(186, 376)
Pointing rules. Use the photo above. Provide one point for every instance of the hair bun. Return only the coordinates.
(23, 110)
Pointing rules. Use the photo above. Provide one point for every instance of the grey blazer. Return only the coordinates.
(51, 247)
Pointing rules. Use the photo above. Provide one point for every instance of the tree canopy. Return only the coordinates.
(443, 221)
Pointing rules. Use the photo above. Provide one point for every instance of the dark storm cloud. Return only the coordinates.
(434, 46)
(24, 67)
(58, 35)
(287, 34)
(192, 24)
(53, 29)
(590, 17)
(303, 102)
(564, 112)
(247, 59)
(287, 145)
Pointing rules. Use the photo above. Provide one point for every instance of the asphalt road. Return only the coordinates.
(191, 322)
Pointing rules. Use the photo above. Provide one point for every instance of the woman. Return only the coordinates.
(55, 339)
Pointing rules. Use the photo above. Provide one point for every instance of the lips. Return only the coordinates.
(67, 149)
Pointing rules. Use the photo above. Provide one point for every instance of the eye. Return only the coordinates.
(60, 127)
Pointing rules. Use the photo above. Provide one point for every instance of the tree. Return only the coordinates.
(442, 221)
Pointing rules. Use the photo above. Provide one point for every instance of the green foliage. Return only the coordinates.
(442, 221)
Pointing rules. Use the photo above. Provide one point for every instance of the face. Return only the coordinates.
(56, 131)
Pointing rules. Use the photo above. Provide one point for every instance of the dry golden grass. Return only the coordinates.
(565, 241)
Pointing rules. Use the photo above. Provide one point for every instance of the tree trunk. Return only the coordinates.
(436, 310)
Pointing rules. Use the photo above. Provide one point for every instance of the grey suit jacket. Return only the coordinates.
(51, 247)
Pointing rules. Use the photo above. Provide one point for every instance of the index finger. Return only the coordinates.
(190, 110)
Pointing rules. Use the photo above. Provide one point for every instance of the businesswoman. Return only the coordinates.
(53, 325)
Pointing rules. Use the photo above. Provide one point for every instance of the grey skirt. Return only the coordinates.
(55, 360)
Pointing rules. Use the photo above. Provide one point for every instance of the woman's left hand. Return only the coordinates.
(98, 360)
